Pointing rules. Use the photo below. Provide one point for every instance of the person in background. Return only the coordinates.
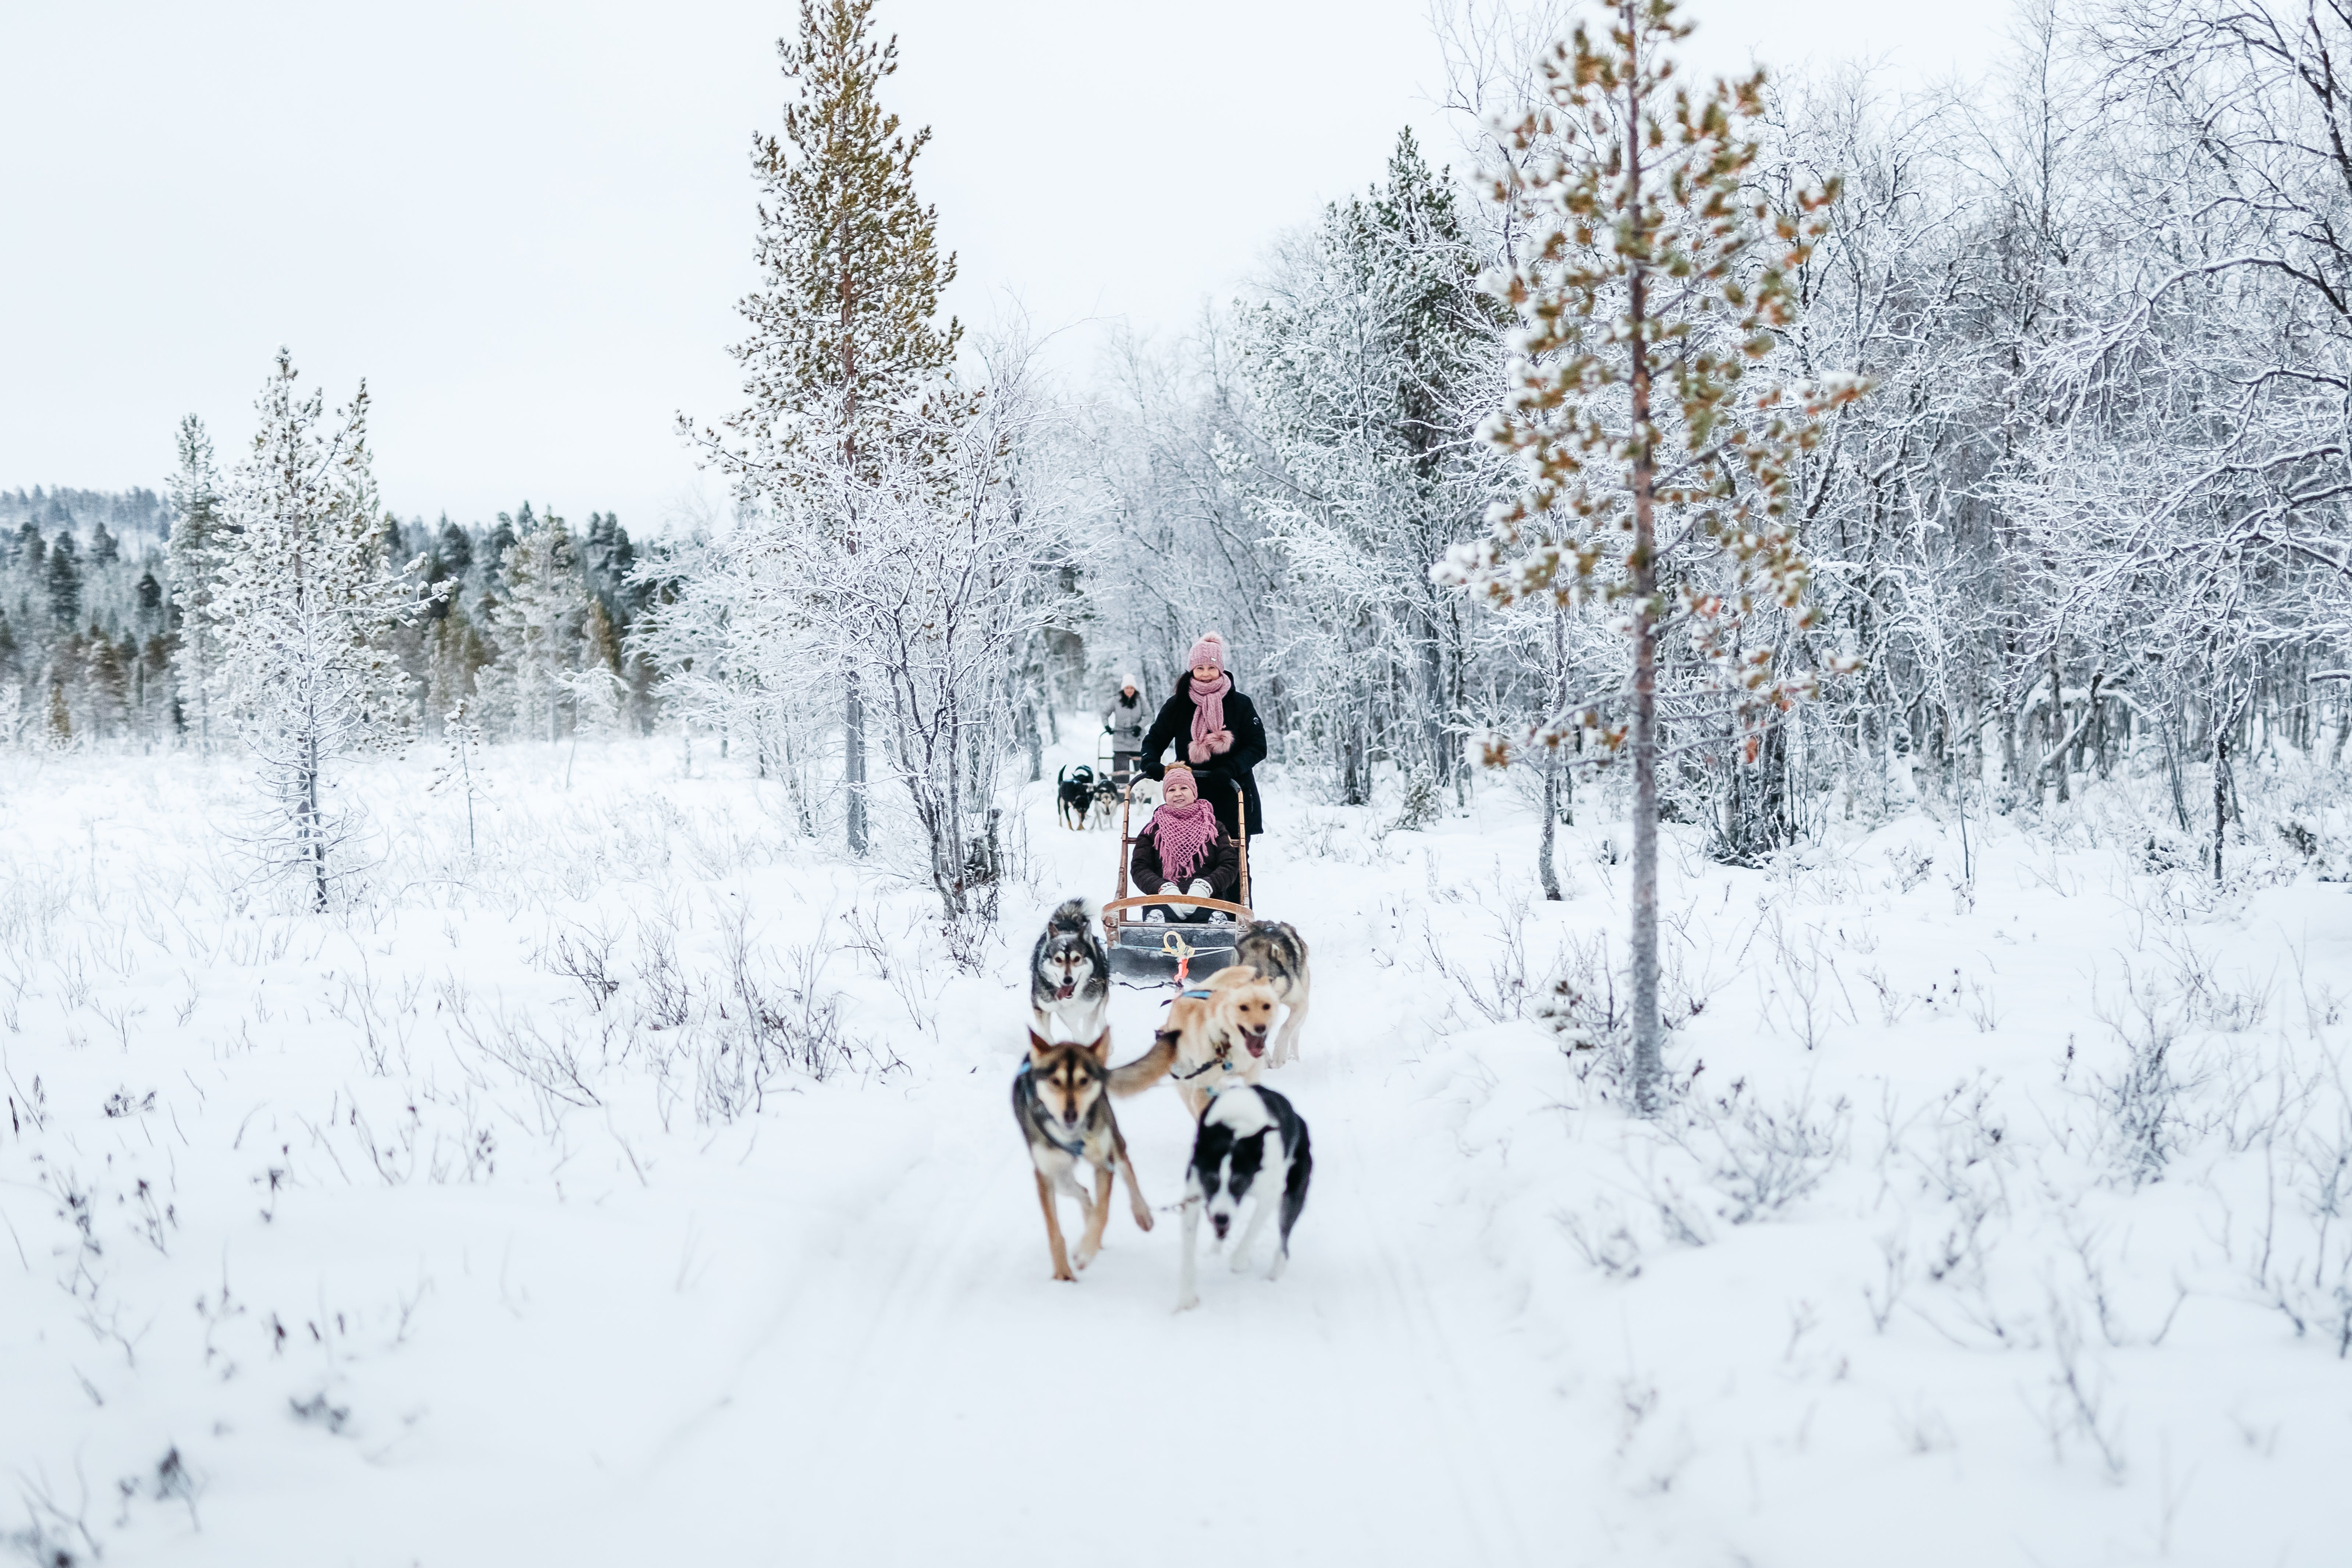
(1216, 731)
(1123, 721)
(1182, 850)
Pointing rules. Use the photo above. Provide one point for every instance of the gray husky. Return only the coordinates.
(1061, 1098)
(1279, 953)
(1070, 974)
(1250, 1144)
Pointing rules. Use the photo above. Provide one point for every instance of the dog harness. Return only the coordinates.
(1223, 1058)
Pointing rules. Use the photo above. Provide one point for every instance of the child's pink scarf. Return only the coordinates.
(1184, 833)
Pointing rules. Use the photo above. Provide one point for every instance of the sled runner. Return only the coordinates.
(1142, 952)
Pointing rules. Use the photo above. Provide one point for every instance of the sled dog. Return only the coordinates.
(1070, 974)
(1217, 1032)
(1251, 1142)
(1279, 953)
(1073, 794)
(1061, 1098)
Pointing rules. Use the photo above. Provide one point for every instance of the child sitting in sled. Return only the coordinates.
(1182, 850)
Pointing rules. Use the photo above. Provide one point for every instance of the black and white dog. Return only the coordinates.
(1074, 795)
(1070, 974)
(1250, 1141)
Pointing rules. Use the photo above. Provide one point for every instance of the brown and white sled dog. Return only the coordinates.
(1061, 1098)
(1218, 1032)
(1070, 974)
(1251, 1143)
(1278, 954)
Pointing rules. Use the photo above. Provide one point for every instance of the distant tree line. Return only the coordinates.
(102, 643)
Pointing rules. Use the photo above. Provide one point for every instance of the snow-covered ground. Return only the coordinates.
(501, 1219)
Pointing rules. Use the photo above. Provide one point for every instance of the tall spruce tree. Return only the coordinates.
(843, 340)
(63, 581)
(192, 558)
(1652, 289)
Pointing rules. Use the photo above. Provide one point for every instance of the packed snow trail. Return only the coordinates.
(934, 1395)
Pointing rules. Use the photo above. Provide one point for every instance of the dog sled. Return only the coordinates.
(1146, 953)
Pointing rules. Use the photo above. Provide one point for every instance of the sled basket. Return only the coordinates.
(1145, 954)
(1156, 954)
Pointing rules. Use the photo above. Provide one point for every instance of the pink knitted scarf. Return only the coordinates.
(1209, 707)
(1185, 834)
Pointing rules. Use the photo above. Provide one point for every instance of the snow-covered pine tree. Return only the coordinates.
(302, 603)
(196, 519)
(536, 624)
(461, 770)
(109, 686)
(843, 343)
(455, 656)
(596, 687)
(58, 724)
(64, 583)
(1660, 453)
(1368, 357)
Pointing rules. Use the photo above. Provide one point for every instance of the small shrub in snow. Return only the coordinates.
(2140, 1101)
(1422, 805)
(1759, 1161)
(172, 1481)
(318, 1411)
(1607, 1243)
(122, 1102)
(2079, 1408)
(2165, 852)
(586, 958)
(1910, 866)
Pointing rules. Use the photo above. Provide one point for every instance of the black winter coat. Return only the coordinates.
(1218, 774)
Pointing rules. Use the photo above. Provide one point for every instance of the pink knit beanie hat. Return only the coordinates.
(1210, 649)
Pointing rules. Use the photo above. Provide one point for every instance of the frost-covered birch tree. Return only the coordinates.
(962, 546)
(304, 601)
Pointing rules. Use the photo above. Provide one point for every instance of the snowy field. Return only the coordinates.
(640, 1187)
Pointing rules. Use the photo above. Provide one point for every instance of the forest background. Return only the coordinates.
(2092, 517)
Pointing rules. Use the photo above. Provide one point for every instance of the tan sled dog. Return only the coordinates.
(1061, 1098)
(1218, 1031)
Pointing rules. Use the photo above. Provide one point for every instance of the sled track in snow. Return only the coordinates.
(1469, 1463)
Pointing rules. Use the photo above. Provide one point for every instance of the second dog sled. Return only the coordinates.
(1146, 953)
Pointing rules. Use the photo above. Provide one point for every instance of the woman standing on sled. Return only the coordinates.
(1216, 731)
(1184, 849)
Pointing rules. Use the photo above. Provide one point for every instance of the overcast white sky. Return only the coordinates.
(526, 222)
